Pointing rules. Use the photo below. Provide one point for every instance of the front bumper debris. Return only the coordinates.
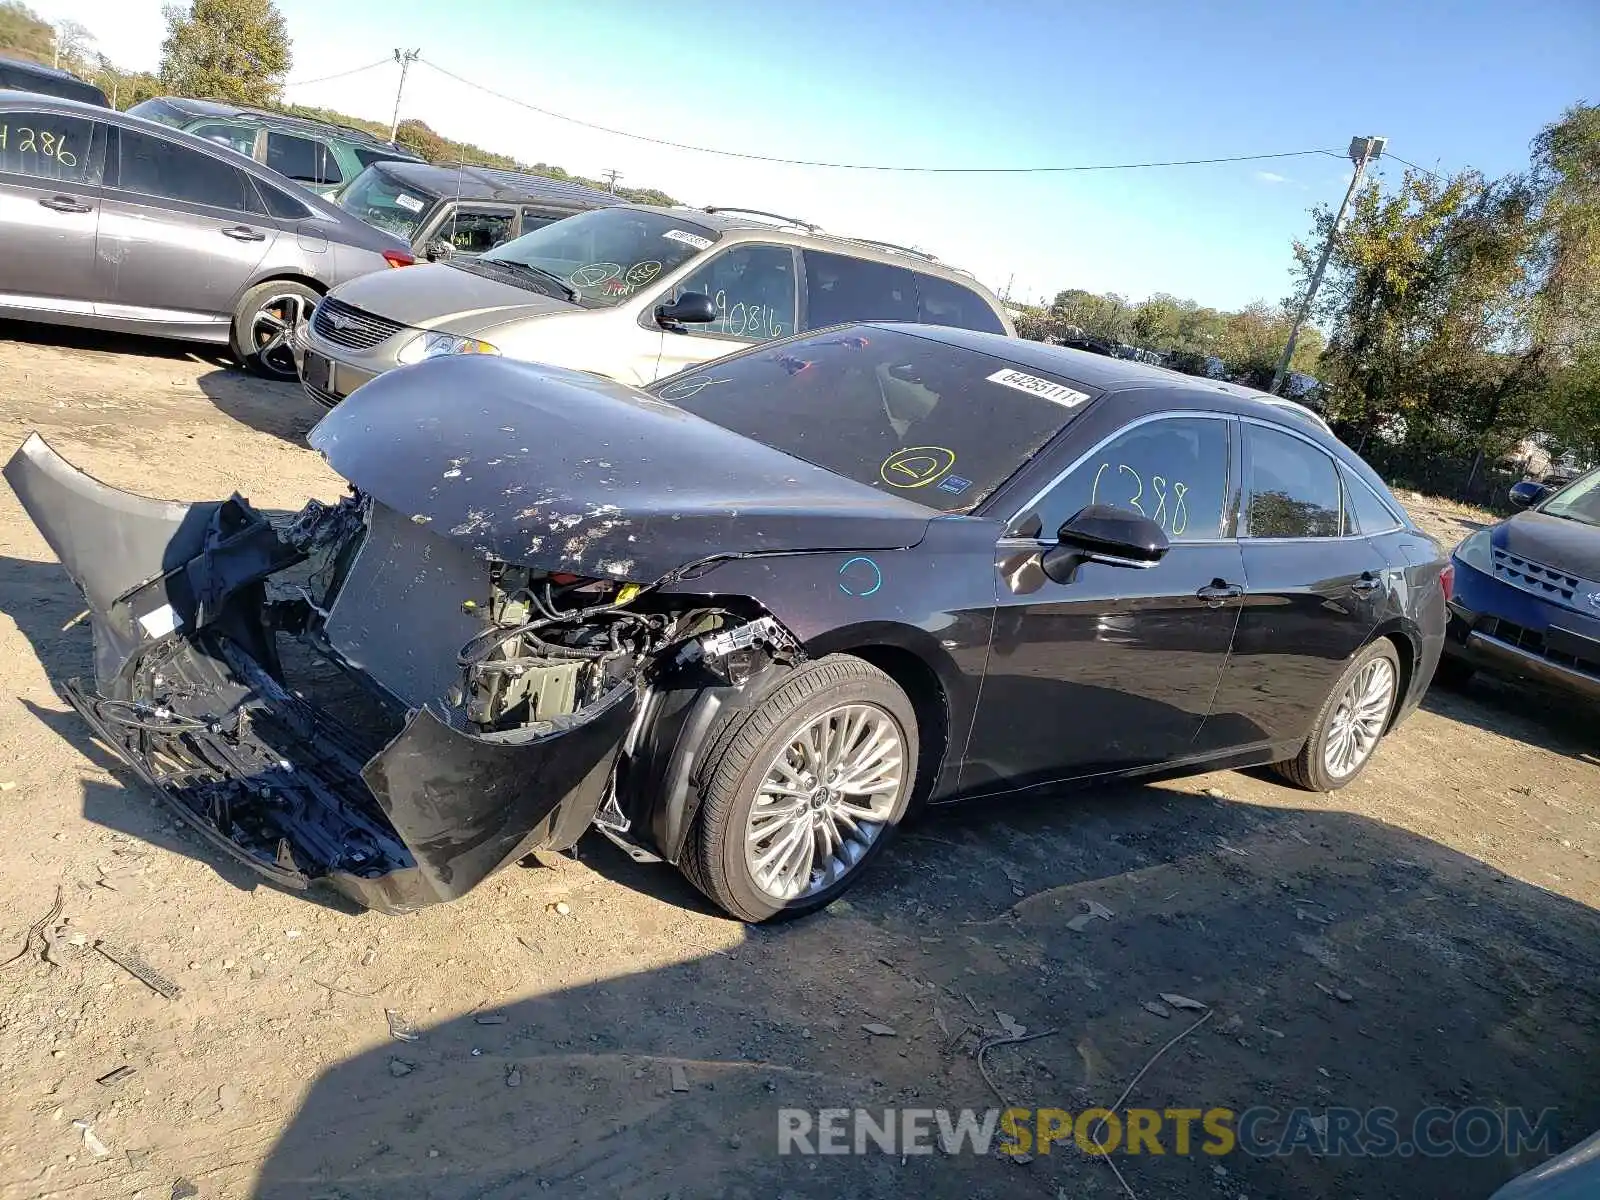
(397, 802)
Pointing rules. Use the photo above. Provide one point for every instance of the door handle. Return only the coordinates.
(1366, 585)
(1218, 591)
(243, 233)
(64, 204)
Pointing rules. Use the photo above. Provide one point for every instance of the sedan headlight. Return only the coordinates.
(437, 345)
(1475, 552)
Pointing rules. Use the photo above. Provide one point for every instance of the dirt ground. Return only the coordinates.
(1426, 937)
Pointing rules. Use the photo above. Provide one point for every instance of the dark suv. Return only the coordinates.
(444, 211)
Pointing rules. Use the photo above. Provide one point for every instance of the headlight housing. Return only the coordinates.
(1476, 552)
(437, 345)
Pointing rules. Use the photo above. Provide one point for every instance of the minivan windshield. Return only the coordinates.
(1578, 501)
(381, 201)
(938, 424)
(607, 254)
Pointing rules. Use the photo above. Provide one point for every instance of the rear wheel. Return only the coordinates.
(266, 316)
(802, 792)
(1350, 723)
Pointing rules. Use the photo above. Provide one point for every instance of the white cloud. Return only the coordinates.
(1270, 177)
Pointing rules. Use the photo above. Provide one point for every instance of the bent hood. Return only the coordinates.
(437, 296)
(1569, 546)
(565, 471)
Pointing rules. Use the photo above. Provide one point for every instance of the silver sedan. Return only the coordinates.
(113, 222)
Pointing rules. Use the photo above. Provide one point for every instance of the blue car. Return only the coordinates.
(1527, 591)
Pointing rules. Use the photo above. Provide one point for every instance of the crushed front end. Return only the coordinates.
(342, 696)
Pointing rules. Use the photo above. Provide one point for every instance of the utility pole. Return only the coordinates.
(405, 58)
(611, 176)
(1362, 151)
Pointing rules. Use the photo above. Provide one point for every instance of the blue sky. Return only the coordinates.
(903, 81)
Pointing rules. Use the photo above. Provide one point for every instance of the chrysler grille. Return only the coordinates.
(343, 325)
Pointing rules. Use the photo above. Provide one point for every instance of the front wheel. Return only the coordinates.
(1350, 722)
(801, 793)
(263, 323)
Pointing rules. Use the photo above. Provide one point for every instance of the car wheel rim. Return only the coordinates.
(824, 799)
(271, 327)
(1359, 718)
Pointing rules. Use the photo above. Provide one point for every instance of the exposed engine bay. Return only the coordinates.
(345, 696)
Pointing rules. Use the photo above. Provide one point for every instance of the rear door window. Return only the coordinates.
(153, 166)
(37, 145)
(1291, 487)
(302, 159)
(840, 289)
(752, 290)
(941, 302)
(1365, 513)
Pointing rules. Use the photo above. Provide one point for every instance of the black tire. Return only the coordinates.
(250, 338)
(1454, 673)
(1309, 769)
(738, 754)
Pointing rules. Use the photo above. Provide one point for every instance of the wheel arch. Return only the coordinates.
(280, 275)
(1408, 645)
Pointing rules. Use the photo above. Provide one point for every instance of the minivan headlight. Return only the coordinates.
(1475, 552)
(437, 345)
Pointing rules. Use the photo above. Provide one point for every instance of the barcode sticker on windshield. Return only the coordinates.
(409, 203)
(1058, 392)
(688, 239)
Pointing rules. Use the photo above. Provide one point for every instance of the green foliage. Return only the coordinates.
(230, 50)
(24, 33)
(1465, 311)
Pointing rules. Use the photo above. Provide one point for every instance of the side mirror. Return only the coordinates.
(1101, 533)
(691, 308)
(438, 249)
(1528, 493)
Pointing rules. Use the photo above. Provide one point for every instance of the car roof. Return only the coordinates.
(46, 74)
(492, 183)
(728, 219)
(277, 120)
(1106, 374)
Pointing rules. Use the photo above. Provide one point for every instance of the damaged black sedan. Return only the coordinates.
(742, 620)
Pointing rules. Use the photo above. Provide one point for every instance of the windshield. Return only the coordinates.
(1578, 501)
(385, 203)
(607, 254)
(907, 415)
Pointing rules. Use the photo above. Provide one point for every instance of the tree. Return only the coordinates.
(24, 33)
(233, 50)
(73, 43)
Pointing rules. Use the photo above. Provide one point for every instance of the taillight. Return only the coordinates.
(399, 258)
(1447, 580)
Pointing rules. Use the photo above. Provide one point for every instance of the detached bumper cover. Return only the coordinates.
(189, 693)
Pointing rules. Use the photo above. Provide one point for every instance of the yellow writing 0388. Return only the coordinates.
(1133, 1131)
(44, 143)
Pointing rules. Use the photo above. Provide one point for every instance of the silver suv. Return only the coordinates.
(114, 222)
(633, 293)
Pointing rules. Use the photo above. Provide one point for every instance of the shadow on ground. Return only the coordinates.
(271, 406)
(68, 337)
(1524, 711)
(1466, 988)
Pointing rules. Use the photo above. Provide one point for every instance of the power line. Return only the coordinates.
(1413, 165)
(843, 166)
(325, 78)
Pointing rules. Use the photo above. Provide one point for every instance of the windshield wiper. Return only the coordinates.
(567, 290)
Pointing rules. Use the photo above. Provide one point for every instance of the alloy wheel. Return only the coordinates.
(1359, 718)
(271, 327)
(824, 800)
